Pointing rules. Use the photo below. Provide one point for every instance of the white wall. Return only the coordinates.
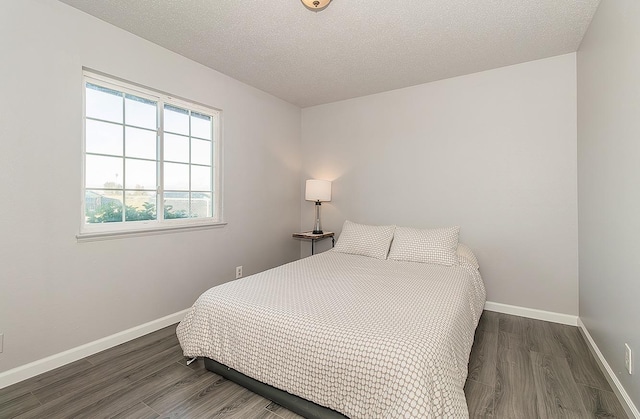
(609, 184)
(493, 152)
(56, 293)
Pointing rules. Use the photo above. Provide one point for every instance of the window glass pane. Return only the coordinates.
(140, 143)
(140, 206)
(176, 120)
(103, 206)
(176, 148)
(140, 174)
(200, 178)
(176, 176)
(200, 152)
(103, 138)
(103, 103)
(176, 205)
(200, 125)
(133, 138)
(140, 112)
(201, 205)
(103, 172)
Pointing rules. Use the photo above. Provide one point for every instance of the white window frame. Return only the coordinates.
(98, 231)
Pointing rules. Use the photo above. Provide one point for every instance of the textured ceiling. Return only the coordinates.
(353, 47)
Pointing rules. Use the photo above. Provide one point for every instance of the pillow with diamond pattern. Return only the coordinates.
(466, 254)
(366, 240)
(436, 246)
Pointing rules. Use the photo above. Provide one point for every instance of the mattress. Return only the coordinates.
(368, 338)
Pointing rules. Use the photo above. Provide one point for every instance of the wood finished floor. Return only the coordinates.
(519, 368)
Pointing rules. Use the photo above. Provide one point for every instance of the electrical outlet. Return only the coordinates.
(628, 358)
(1, 342)
(238, 272)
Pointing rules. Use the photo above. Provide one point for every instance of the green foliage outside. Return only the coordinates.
(111, 211)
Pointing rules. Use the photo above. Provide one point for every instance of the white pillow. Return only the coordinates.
(436, 245)
(365, 240)
(466, 254)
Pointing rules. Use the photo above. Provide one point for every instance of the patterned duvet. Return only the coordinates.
(368, 338)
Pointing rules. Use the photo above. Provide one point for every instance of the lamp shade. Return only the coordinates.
(318, 190)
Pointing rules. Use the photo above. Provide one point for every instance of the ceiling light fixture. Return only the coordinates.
(316, 5)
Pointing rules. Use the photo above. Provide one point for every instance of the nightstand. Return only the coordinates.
(308, 235)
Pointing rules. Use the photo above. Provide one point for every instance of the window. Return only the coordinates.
(150, 161)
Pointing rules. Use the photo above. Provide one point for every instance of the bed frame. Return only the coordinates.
(296, 404)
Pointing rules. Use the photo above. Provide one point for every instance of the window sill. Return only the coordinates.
(110, 235)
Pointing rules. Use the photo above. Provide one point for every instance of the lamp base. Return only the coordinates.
(317, 226)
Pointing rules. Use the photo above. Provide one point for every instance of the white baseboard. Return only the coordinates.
(49, 363)
(613, 380)
(532, 313)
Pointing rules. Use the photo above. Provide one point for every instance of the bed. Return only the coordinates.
(363, 336)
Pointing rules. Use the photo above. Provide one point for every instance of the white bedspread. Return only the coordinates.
(369, 338)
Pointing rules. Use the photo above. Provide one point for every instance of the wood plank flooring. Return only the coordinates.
(518, 368)
(526, 368)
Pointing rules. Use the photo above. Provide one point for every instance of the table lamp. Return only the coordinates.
(318, 191)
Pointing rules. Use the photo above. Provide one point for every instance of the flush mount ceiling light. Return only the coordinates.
(316, 5)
